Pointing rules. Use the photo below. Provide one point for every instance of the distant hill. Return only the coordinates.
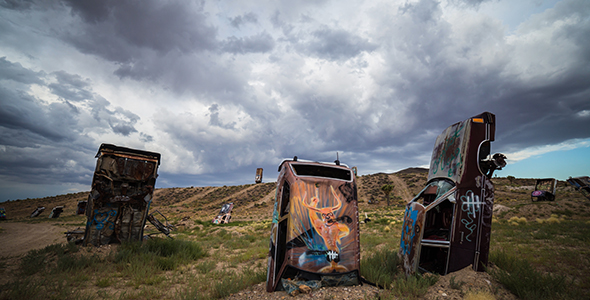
(256, 201)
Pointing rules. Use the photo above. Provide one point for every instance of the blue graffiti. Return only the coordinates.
(103, 219)
(408, 231)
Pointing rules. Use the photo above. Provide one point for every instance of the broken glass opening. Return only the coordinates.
(433, 191)
(321, 171)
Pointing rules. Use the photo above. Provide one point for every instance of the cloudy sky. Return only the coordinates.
(220, 88)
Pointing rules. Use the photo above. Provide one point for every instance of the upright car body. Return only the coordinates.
(447, 226)
(315, 229)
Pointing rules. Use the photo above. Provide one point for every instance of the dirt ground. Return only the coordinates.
(456, 285)
(19, 238)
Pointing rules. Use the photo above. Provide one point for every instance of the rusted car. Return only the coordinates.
(81, 207)
(447, 226)
(544, 190)
(121, 194)
(37, 211)
(315, 228)
(224, 215)
(56, 212)
(258, 178)
(581, 184)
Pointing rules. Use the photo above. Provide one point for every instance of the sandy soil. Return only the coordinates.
(19, 238)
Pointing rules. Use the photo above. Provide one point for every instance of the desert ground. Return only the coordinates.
(187, 206)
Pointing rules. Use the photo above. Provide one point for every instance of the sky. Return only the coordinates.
(221, 88)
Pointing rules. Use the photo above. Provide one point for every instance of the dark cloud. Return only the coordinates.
(16, 72)
(214, 118)
(336, 44)
(20, 111)
(92, 11)
(259, 43)
(154, 25)
(71, 87)
(244, 19)
(16, 4)
(45, 142)
(376, 84)
(146, 138)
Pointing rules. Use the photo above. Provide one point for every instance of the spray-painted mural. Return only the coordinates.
(319, 207)
(315, 224)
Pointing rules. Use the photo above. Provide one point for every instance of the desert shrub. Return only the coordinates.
(381, 268)
(524, 281)
(413, 287)
(232, 282)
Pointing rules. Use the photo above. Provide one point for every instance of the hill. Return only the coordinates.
(255, 201)
(552, 235)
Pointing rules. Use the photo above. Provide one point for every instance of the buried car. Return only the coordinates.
(122, 191)
(315, 228)
(447, 226)
(581, 184)
(544, 190)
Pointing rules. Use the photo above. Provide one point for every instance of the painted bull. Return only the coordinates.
(315, 229)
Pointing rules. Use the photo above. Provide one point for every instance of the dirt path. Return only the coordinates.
(20, 238)
(401, 188)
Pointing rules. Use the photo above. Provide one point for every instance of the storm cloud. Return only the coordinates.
(220, 88)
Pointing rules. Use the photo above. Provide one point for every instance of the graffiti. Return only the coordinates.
(408, 231)
(471, 205)
(449, 154)
(100, 224)
(328, 228)
(411, 233)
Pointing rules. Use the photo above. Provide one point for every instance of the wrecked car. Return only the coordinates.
(447, 226)
(315, 228)
(121, 194)
(581, 184)
(164, 228)
(81, 207)
(544, 190)
(224, 215)
(37, 211)
(56, 212)
(258, 178)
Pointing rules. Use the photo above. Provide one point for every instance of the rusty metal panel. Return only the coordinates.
(315, 229)
(121, 194)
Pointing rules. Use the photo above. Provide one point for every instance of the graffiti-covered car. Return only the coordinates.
(544, 190)
(315, 229)
(121, 194)
(447, 226)
(582, 184)
(224, 215)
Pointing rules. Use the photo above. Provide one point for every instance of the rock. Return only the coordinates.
(304, 289)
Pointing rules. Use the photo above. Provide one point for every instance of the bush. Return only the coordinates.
(381, 267)
(524, 281)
